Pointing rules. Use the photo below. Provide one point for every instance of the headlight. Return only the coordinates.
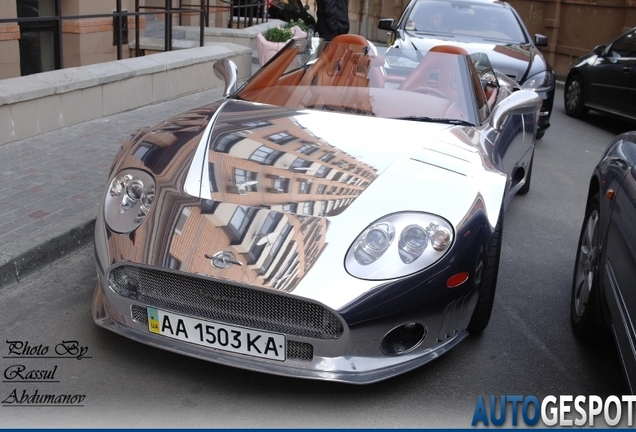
(543, 81)
(128, 200)
(422, 240)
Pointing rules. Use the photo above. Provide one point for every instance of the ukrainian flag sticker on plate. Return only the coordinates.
(153, 320)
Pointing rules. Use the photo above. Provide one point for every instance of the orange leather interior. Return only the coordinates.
(269, 76)
(345, 63)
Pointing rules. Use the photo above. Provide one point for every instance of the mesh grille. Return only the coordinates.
(295, 350)
(300, 350)
(226, 303)
(139, 314)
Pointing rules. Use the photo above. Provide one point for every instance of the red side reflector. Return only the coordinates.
(457, 280)
(610, 194)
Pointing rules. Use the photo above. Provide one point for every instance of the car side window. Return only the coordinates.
(624, 46)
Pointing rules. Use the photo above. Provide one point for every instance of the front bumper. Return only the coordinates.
(546, 109)
(354, 357)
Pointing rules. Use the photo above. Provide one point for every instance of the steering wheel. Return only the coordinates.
(429, 90)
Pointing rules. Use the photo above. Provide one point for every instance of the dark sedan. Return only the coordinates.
(604, 80)
(603, 294)
(488, 26)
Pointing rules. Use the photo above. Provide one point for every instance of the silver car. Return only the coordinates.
(338, 217)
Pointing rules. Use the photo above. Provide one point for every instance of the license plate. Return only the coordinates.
(217, 335)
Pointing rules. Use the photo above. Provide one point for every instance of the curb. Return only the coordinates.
(39, 256)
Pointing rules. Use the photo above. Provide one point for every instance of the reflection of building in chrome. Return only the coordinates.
(270, 181)
(277, 162)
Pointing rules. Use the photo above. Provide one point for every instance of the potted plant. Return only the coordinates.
(270, 42)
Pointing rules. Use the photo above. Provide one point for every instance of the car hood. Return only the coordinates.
(287, 192)
(516, 60)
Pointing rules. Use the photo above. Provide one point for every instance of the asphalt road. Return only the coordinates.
(528, 349)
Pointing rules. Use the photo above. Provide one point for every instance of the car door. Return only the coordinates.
(619, 270)
(612, 77)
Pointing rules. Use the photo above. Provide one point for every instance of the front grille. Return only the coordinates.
(295, 350)
(300, 350)
(224, 302)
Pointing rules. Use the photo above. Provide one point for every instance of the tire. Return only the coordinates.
(585, 311)
(574, 97)
(526, 186)
(483, 309)
(539, 135)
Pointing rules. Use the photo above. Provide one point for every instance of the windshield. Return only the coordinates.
(352, 78)
(484, 21)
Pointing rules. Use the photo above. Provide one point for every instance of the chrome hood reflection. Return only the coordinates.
(278, 188)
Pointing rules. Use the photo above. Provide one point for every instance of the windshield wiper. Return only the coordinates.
(435, 120)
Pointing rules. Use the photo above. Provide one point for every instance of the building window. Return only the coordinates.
(327, 157)
(323, 171)
(321, 189)
(281, 184)
(256, 124)
(239, 222)
(265, 155)
(300, 163)
(275, 249)
(225, 142)
(323, 208)
(39, 40)
(290, 208)
(281, 138)
(242, 176)
(305, 187)
(307, 149)
(308, 208)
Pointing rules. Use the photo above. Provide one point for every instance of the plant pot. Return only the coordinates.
(267, 49)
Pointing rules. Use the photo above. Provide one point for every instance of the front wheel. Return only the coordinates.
(585, 302)
(574, 96)
(485, 301)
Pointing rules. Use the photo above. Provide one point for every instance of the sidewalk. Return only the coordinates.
(51, 184)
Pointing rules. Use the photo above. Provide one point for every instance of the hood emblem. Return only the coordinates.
(223, 260)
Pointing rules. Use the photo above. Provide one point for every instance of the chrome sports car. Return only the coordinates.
(327, 220)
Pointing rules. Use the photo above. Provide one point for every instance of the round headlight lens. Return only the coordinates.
(135, 189)
(130, 198)
(373, 243)
(413, 241)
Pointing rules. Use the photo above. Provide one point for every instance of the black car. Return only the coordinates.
(291, 10)
(604, 80)
(488, 26)
(603, 303)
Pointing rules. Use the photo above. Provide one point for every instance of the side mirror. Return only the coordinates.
(520, 102)
(599, 50)
(386, 24)
(540, 40)
(228, 72)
